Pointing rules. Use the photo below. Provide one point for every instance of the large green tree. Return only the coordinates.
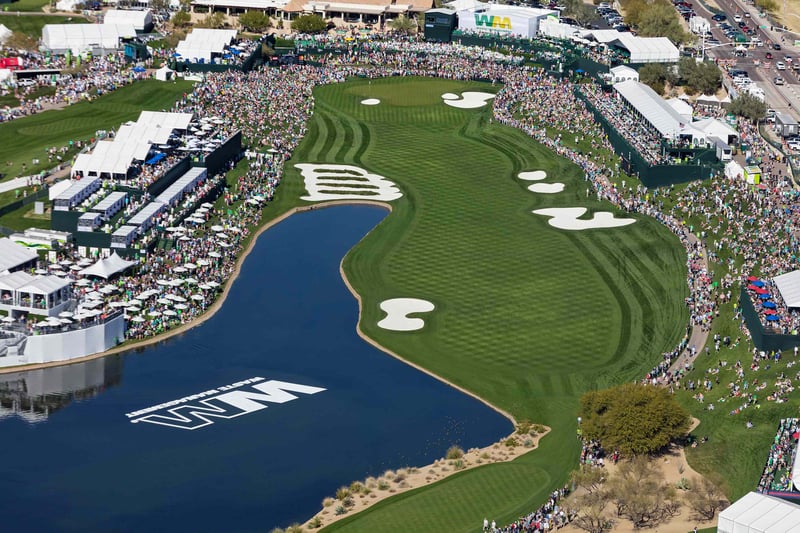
(255, 21)
(403, 24)
(309, 24)
(704, 77)
(582, 13)
(660, 19)
(748, 106)
(654, 75)
(634, 419)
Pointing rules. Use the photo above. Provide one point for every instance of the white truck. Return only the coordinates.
(699, 25)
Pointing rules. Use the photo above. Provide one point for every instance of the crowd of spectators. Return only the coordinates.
(777, 473)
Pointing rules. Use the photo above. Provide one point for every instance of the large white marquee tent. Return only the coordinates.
(203, 42)
(759, 513)
(641, 49)
(77, 38)
(651, 107)
(504, 19)
(141, 19)
(789, 286)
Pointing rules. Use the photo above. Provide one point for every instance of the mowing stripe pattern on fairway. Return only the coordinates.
(527, 316)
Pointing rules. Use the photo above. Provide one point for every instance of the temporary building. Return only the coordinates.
(682, 107)
(752, 174)
(5, 33)
(77, 38)
(105, 268)
(504, 19)
(67, 5)
(651, 107)
(165, 74)
(140, 19)
(757, 513)
(623, 73)
(713, 127)
(789, 286)
(641, 49)
(203, 42)
(14, 256)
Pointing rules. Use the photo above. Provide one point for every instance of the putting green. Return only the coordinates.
(527, 316)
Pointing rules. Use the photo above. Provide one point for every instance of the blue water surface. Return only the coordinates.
(289, 317)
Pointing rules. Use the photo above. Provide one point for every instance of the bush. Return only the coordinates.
(454, 452)
(511, 442)
(327, 502)
(356, 487)
(340, 510)
(315, 523)
(342, 493)
(382, 484)
(524, 427)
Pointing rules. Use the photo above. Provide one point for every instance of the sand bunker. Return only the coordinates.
(546, 188)
(345, 182)
(533, 175)
(371, 101)
(469, 99)
(397, 311)
(567, 218)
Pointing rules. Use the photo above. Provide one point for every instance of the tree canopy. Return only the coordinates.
(654, 75)
(582, 13)
(634, 419)
(704, 78)
(403, 24)
(255, 21)
(309, 24)
(181, 19)
(748, 106)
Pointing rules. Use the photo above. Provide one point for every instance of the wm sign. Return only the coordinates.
(492, 22)
(230, 401)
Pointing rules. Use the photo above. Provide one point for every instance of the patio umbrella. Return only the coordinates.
(190, 266)
(207, 205)
(40, 271)
(65, 314)
(212, 284)
(65, 320)
(758, 290)
(197, 297)
(217, 228)
(773, 318)
(751, 287)
(181, 306)
(10, 319)
(184, 238)
(170, 312)
(203, 262)
(133, 309)
(752, 278)
(758, 283)
(154, 313)
(180, 270)
(164, 282)
(190, 281)
(137, 319)
(764, 296)
(214, 254)
(75, 268)
(770, 312)
(65, 262)
(55, 266)
(164, 301)
(769, 305)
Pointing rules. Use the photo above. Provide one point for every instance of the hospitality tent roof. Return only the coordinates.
(683, 108)
(247, 4)
(759, 512)
(5, 33)
(105, 268)
(651, 106)
(789, 286)
(13, 255)
(641, 49)
(58, 187)
(44, 285)
(80, 37)
(713, 127)
(203, 42)
(145, 213)
(140, 19)
(13, 281)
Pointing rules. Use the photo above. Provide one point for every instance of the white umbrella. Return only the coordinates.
(118, 304)
(83, 282)
(214, 254)
(180, 270)
(176, 298)
(164, 301)
(184, 238)
(65, 262)
(60, 273)
(85, 262)
(222, 236)
(105, 290)
(94, 295)
(170, 312)
(112, 288)
(173, 229)
(164, 282)
(197, 297)
(10, 319)
(55, 266)
(154, 313)
(65, 320)
(181, 306)
(65, 314)
(212, 284)
(207, 205)
(75, 268)
(176, 282)
(137, 319)
(190, 266)
(133, 309)
(217, 228)
(252, 201)
(190, 281)
(53, 321)
(205, 287)
(225, 244)
(203, 262)
(41, 324)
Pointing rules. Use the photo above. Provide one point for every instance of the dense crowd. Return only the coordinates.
(777, 473)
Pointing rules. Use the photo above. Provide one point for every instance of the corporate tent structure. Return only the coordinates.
(165, 74)
(5, 33)
(789, 286)
(641, 49)
(202, 43)
(504, 20)
(759, 513)
(651, 107)
(623, 73)
(77, 38)
(140, 19)
(106, 268)
(15, 257)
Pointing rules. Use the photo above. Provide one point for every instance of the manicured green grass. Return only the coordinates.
(26, 5)
(32, 24)
(527, 317)
(29, 137)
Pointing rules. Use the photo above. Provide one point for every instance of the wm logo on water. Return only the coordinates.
(230, 401)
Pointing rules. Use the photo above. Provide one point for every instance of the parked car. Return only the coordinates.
(768, 55)
(719, 17)
(776, 46)
(780, 65)
(778, 80)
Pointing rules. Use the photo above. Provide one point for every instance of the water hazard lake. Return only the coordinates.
(74, 462)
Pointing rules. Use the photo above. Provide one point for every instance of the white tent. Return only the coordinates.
(141, 19)
(652, 107)
(5, 75)
(789, 286)
(13, 255)
(683, 108)
(59, 38)
(58, 187)
(623, 73)
(641, 49)
(5, 33)
(713, 127)
(105, 268)
(757, 513)
(165, 74)
(67, 5)
(203, 42)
